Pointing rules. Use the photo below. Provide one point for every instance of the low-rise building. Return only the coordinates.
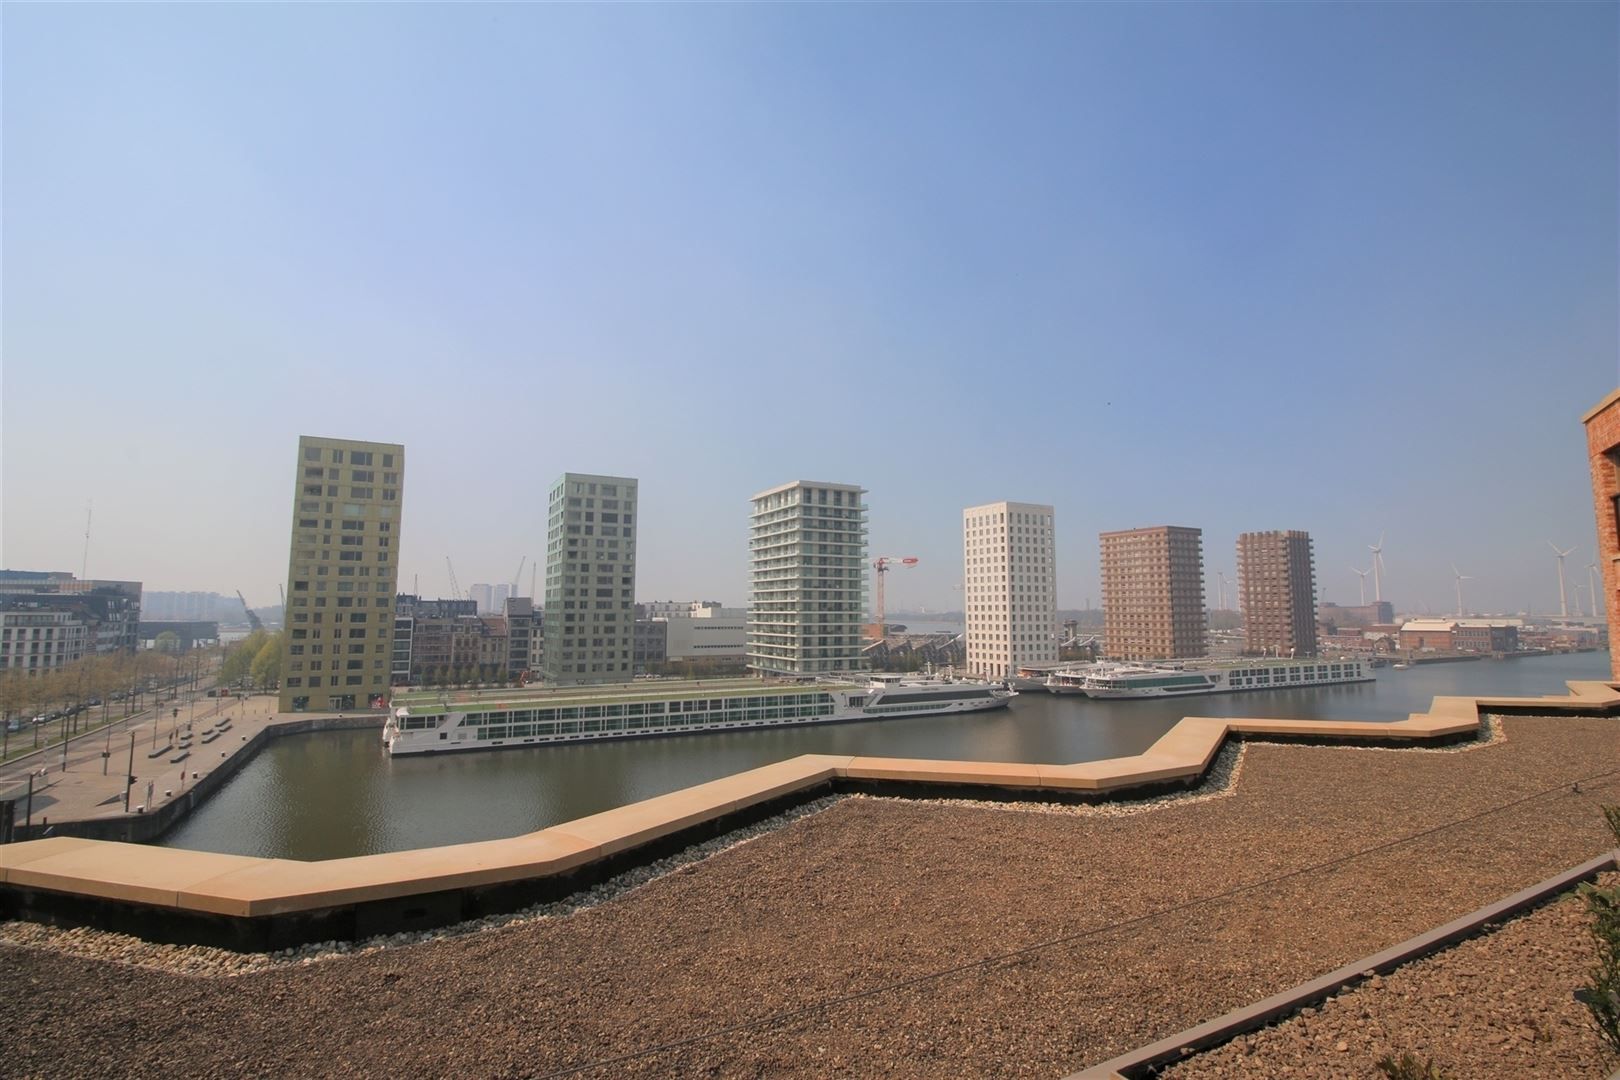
(1460, 635)
(1486, 635)
(1427, 635)
(652, 636)
(448, 641)
(706, 634)
(48, 619)
(1337, 616)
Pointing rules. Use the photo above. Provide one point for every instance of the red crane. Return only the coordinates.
(882, 565)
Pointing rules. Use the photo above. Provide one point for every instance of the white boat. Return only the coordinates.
(1149, 681)
(425, 722)
(1205, 677)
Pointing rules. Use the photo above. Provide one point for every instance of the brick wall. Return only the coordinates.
(1603, 452)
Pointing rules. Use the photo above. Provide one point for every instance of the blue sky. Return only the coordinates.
(1351, 269)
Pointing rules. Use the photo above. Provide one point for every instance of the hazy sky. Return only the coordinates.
(1350, 269)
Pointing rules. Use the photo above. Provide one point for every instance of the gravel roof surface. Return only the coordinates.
(1497, 1007)
(886, 938)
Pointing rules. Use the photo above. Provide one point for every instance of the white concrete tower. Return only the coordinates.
(1009, 581)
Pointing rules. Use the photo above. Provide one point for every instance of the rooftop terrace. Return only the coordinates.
(876, 936)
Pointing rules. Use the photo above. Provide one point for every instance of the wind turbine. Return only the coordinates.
(1378, 568)
(1563, 600)
(1363, 575)
(1461, 577)
(1221, 574)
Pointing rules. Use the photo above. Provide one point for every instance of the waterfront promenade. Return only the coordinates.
(88, 782)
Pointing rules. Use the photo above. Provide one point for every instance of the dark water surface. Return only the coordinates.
(330, 795)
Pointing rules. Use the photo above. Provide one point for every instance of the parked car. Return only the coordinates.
(14, 724)
(40, 720)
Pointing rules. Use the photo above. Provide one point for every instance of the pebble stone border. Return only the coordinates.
(204, 961)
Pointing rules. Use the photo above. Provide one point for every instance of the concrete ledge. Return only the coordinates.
(1148, 1060)
(106, 877)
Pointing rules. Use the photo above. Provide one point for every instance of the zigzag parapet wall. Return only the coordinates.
(253, 903)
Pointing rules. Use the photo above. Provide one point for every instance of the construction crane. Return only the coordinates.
(518, 576)
(455, 586)
(253, 620)
(882, 565)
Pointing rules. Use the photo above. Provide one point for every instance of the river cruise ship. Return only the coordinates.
(425, 722)
(1190, 677)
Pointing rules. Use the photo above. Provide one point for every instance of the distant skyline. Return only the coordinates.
(1350, 269)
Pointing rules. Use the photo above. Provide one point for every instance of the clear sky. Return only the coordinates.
(1343, 268)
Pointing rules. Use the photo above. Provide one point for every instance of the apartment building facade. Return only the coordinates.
(590, 597)
(52, 618)
(1153, 593)
(342, 569)
(1277, 588)
(807, 580)
(1009, 577)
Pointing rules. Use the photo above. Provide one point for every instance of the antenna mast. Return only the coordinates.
(84, 566)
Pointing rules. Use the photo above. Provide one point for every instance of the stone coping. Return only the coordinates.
(246, 887)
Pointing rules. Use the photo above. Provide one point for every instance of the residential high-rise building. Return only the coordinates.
(1277, 587)
(590, 607)
(342, 568)
(1153, 593)
(1010, 576)
(807, 549)
(482, 597)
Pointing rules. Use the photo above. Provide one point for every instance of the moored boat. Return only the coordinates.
(1189, 677)
(428, 722)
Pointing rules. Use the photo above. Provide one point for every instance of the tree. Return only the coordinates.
(266, 667)
(168, 642)
(238, 662)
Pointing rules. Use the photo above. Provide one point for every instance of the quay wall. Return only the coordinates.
(146, 827)
(249, 903)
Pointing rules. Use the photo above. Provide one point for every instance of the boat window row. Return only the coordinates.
(649, 723)
(1265, 676)
(628, 709)
(1133, 682)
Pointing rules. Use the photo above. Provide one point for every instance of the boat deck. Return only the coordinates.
(432, 702)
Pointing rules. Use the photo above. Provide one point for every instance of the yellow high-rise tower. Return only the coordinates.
(342, 569)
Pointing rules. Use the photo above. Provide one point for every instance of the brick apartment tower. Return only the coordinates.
(1277, 588)
(1603, 453)
(342, 569)
(1153, 593)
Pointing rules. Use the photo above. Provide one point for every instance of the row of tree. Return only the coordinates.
(91, 678)
(445, 675)
(255, 660)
